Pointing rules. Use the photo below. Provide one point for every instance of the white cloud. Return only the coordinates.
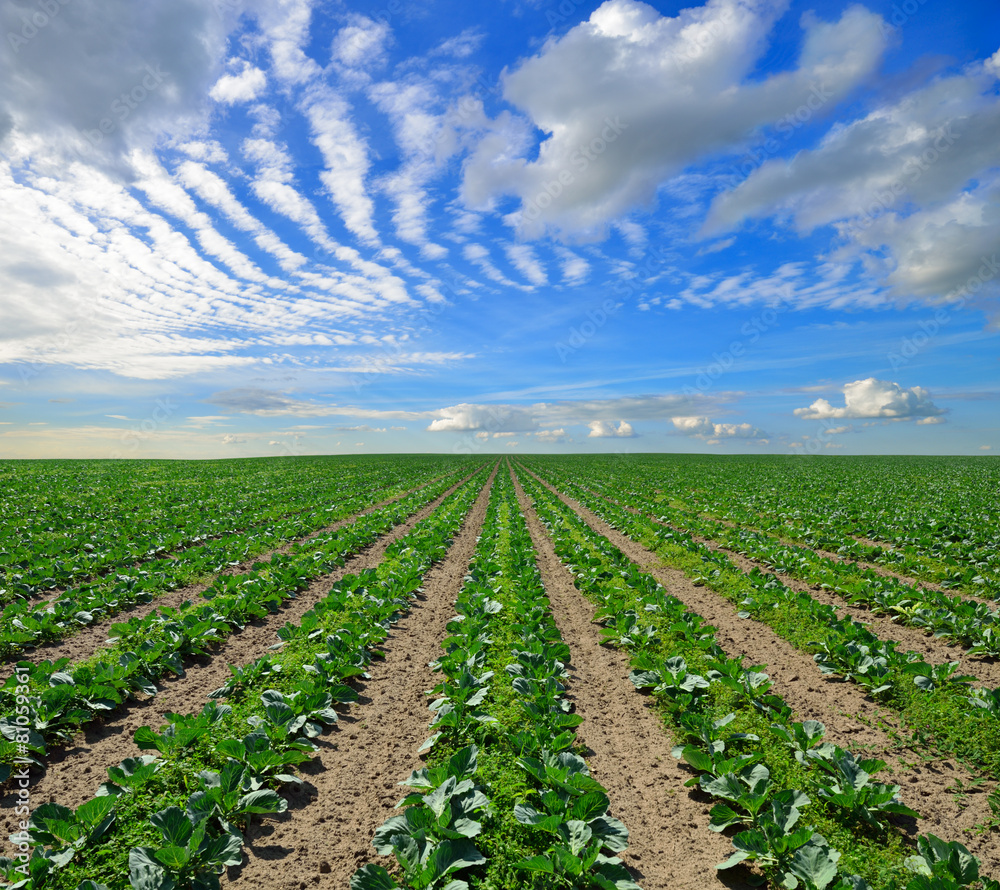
(575, 268)
(630, 97)
(494, 418)
(601, 429)
(286, 26)
(346, 157)
(875, 398)
(701, 427)
(557, 435)
(362, 43)
(924, 421)
(476, 253)
(911, 188)
(246, 86)
(420, 132)
(231, 439)
(985, 447)
(523, 258)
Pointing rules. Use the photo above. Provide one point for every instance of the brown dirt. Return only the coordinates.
(85, 642)
(930, 648)
(326, 835)
(54, 593)
(852, 719)
(670, 845)
(878, 568)
(74, 772)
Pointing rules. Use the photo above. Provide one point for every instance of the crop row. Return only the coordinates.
(174, 818)
(501, 769)
(27, 624)
(973, 625)
(935, 518)
(60, 697)
(808, 812)
(937, 703)
(52, 538)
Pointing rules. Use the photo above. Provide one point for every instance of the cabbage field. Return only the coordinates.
(427, 671)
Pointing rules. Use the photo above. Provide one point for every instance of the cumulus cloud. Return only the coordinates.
(872, 398)
(558, 435)
(911, 187)
(484, 420)
(601, 429)
(493, 418)
(243, 87)
(139, 68)
(630, 97)
(701, 427)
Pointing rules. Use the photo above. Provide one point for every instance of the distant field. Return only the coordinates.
(656, 671)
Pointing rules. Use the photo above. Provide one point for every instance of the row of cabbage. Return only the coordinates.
(934, 518)
(25, 624)
(505, 801)
(60, 697)
(806, 813)
(971, 624)
(67, 522)
(940, 706)
(174, 819)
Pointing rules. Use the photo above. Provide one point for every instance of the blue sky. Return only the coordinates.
(263, 228)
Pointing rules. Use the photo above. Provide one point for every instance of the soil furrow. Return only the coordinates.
(932, 649)
(171, 553)
(877, 568)
(89, 639)
(351, 787)
(73, 772)
(852, 720)
(670, 845)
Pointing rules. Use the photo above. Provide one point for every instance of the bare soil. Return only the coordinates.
(852, 720)
(932, 649)
(88, 640)
(670, 845)
(73, 772)
(352, 786)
